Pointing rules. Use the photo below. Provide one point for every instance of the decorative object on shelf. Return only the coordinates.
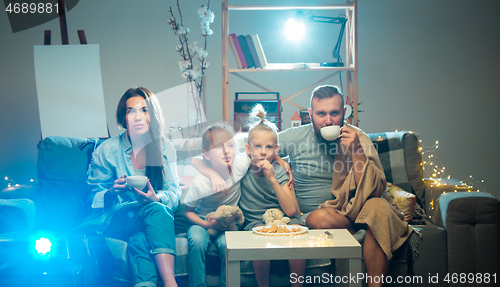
(261, 56)
(253, 51)
(243, 107)
(349, 110)
(193, 64)
(295, 121)
(304, 117)
(238, 53)
(247, 51)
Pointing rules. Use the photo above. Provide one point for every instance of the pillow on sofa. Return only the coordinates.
(401, 200)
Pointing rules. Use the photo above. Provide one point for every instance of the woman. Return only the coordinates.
(143, 218)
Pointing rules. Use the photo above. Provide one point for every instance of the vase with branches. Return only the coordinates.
(193, 63)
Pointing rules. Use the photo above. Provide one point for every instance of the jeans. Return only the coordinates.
(148, 230)
(198, 241)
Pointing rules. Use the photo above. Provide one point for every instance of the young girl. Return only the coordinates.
(266, 186)
(220, 163)
(144, 218)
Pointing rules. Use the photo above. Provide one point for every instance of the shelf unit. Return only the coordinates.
(350, 68)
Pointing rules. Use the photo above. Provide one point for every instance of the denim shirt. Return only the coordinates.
(112, 159)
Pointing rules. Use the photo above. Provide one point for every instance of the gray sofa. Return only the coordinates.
(459, 230)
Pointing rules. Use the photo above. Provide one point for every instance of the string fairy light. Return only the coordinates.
(435, 170)
(433, 167)
(10, 183)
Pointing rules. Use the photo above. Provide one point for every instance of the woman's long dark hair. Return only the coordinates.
(155, 166)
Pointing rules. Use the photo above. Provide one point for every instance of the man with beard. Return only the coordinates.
(339, 183)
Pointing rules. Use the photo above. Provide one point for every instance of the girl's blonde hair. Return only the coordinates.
(258, 117)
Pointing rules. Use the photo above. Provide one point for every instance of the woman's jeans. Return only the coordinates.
(198, 241)
(148, 230)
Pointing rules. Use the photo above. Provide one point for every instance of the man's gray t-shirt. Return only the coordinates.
(257, 195)
(312, 163)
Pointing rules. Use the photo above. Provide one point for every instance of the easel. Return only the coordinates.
(64, 36)
(64, 28)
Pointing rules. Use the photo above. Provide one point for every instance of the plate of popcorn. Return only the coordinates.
(280, 230)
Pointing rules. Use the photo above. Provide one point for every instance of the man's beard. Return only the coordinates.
(316, 129)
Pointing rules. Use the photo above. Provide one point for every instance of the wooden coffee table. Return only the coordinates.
(314, 244)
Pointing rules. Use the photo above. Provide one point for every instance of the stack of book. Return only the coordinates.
(247, 51)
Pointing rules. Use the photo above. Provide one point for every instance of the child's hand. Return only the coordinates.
(287, 168)
(267, 169)
(218, 184)
(212, 223)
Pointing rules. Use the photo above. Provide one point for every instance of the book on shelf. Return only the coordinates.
(253, 51)
(246, 51)
(241, 57)
(235, 53)
(259, 51)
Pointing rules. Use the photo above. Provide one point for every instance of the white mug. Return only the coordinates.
(331, 133)
(137, 181)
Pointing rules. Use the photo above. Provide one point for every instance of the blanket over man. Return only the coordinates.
(363, 203)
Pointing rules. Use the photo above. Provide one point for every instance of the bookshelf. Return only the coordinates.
(350, 68)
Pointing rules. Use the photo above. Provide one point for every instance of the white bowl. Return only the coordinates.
(330, 133)
(137, 181)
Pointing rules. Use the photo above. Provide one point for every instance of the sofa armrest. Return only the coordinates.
(434, 189)
(17, 214)
(472, 222)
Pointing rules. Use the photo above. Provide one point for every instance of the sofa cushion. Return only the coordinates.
(400, 155)
(62, 178)
(401, 200)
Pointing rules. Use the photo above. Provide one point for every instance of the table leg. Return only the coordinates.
(354, 270)
(347, 272)
(232, 273)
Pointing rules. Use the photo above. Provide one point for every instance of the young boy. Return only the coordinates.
(222, 166)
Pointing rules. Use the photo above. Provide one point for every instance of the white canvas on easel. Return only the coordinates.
(69, 88)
